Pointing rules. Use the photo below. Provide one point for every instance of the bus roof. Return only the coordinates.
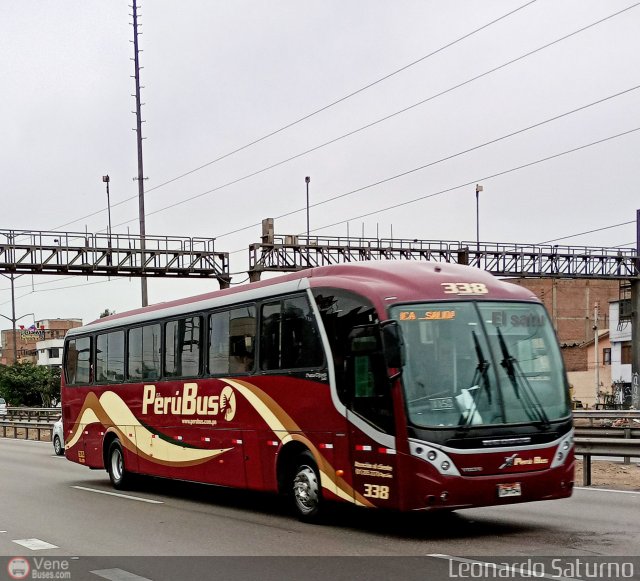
(388, 281)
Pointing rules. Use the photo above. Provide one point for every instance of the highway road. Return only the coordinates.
(54, 512)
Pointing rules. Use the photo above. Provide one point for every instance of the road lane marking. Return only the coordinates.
(127, 496)
(118, 575)
(509, 570)
(35, 544)
(606, 490)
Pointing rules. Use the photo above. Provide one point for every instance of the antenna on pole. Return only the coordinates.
(138, 130)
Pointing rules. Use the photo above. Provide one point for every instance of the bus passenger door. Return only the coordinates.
(372, 432)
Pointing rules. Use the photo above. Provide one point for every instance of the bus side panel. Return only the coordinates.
(228, 469)
(253, 465)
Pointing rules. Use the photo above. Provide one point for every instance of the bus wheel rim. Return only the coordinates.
(116, 464)
(305, 490)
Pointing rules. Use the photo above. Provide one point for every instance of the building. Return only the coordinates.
(49, 352)
(587, 368)
(621, 354)
(571, 304)
(51, 332)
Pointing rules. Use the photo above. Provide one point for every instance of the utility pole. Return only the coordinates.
(596, 309)
(13, 319)
(635, 323)
(140, 178)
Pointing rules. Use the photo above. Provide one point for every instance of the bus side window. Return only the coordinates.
(78, 361)
(143, 356)
(289, 336)
(110, 357)
(232, 340)
(182, 347)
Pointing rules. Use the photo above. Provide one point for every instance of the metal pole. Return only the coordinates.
(107, 180)
(307, 180)
(143, 279)
(13, 320)
(596, 348)
(478, 190)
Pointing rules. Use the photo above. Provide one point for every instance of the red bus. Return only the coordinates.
(400, 385)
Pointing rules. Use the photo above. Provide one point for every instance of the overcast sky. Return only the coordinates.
(220, 75)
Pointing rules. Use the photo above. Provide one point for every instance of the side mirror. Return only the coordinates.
(392, 343)
(383, 339)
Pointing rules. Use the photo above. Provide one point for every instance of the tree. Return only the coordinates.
(30, 385)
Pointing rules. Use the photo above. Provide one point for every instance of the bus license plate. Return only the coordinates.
(506, 490)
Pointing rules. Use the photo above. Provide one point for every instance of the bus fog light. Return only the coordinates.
(560, 455)
(444, 496)
(445, 465)
(432, 455)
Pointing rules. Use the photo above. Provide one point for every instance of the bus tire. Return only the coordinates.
(58, 448)
(306, 489)
(118, 474)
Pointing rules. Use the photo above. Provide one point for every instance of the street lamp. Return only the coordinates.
(478, 190)
(106, 180)
(307, 180)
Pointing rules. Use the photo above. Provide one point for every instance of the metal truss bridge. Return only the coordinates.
(291, 253)
(78, 253)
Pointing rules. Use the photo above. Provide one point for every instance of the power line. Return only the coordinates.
(348, 96)
(490, 71)
(319, 111)
(447, 158)
(84, 284)
(333, 198)
(308, 115)
(480, 179)
(589, 232)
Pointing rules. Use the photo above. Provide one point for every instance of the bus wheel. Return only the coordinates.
(115, 466)
(307, 496)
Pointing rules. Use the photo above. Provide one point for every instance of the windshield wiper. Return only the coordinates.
(480, 380)
(481, 368)
(511, 365)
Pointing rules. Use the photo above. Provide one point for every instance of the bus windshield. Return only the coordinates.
(481, 363)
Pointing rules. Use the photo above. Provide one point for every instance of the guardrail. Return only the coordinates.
(617, 435)
(24, 422)
(33, 414)
(11, 429)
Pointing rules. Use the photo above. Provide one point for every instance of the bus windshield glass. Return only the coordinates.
(481, 363)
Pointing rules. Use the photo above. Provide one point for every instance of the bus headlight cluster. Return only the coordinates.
(436, 457)
(563, 450)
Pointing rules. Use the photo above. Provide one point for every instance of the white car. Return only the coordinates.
(58, 438)
(3, 407)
